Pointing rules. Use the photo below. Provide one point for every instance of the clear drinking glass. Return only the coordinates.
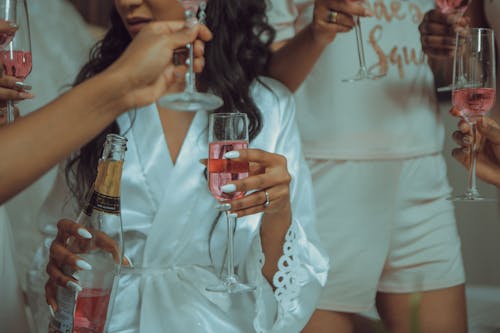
(190, 99)
(451, 7)
(227, 132)
(16, 55)
(474, 85)
(363, 72)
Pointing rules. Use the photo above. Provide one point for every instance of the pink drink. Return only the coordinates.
(6, 38)
(473, 102)
(16, 63)
(222, 171)
(91, 311)
(451, 6)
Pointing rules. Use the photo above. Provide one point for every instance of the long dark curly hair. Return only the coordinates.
(237, 55)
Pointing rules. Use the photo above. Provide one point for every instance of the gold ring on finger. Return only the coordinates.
(332, 16)
(267, 203)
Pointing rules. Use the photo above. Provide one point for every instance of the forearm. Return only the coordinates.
(273, 231)
(37, 142)
(292, 62)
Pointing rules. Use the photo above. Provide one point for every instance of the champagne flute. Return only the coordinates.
(473, 94)
(227, 132)
(190, 99)
(16, 56)
(363, 72)
(451, 7)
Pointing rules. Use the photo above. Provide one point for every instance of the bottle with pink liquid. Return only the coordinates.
(87, 310)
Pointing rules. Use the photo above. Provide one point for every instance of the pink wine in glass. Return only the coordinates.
(91, 311)
(16, 63)
(474, 102)
(452, 6)
(222, 171)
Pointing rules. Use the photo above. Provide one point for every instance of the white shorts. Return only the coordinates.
(387, 226)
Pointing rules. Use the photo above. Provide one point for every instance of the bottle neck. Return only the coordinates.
(105, 195)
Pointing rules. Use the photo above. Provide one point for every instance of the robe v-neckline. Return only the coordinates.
(172, 186)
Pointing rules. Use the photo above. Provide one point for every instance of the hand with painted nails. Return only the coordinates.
(488, 148)
(267, 186)
(12, 89)
(71, 241)
(438, 32)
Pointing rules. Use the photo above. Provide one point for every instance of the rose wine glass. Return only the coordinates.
(227, 132)
(363, 72)
(473, 94)
(191, 99)
(457, 7)
(7, 14)
(16, 55)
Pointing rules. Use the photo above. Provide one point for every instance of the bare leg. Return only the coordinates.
(438, 311)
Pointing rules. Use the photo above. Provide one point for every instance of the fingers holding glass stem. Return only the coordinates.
(190, 99)
(267, 186)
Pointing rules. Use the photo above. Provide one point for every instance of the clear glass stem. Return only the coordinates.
(190, 76)
(471, 186)
(231, 221)
(10, 112)
(359, 43)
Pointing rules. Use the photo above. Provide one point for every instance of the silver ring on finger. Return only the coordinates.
(332, 16)
(267, 203)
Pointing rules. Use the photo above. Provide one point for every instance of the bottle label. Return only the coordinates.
(103, 203)
(66, 305)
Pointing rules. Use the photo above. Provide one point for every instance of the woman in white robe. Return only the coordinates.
(168, 211)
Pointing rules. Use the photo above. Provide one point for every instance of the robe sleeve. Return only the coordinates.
(303, 267)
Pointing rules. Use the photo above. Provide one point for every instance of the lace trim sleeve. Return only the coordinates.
(286, 280)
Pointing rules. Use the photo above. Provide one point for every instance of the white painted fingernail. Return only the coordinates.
(83, 265)
(84, 233)
(51, 312)
(75, 286)
(223, 207)
(232, 154)
(233, 215)
(130, 264)
(228, 188)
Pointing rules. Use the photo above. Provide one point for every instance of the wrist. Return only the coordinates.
(318, 36)
(276, 224)
(115, 92)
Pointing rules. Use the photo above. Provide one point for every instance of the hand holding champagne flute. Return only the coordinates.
(16, 55)
(191, 99)
(451, 7)
(227, 132)
(473, 95)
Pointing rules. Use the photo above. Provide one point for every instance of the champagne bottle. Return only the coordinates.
(86, 310)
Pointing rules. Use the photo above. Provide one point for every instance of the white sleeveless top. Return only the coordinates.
(393, 117)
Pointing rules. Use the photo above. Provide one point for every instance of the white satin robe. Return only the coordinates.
(167, 213)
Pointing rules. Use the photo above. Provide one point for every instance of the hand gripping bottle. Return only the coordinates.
(86, 310)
